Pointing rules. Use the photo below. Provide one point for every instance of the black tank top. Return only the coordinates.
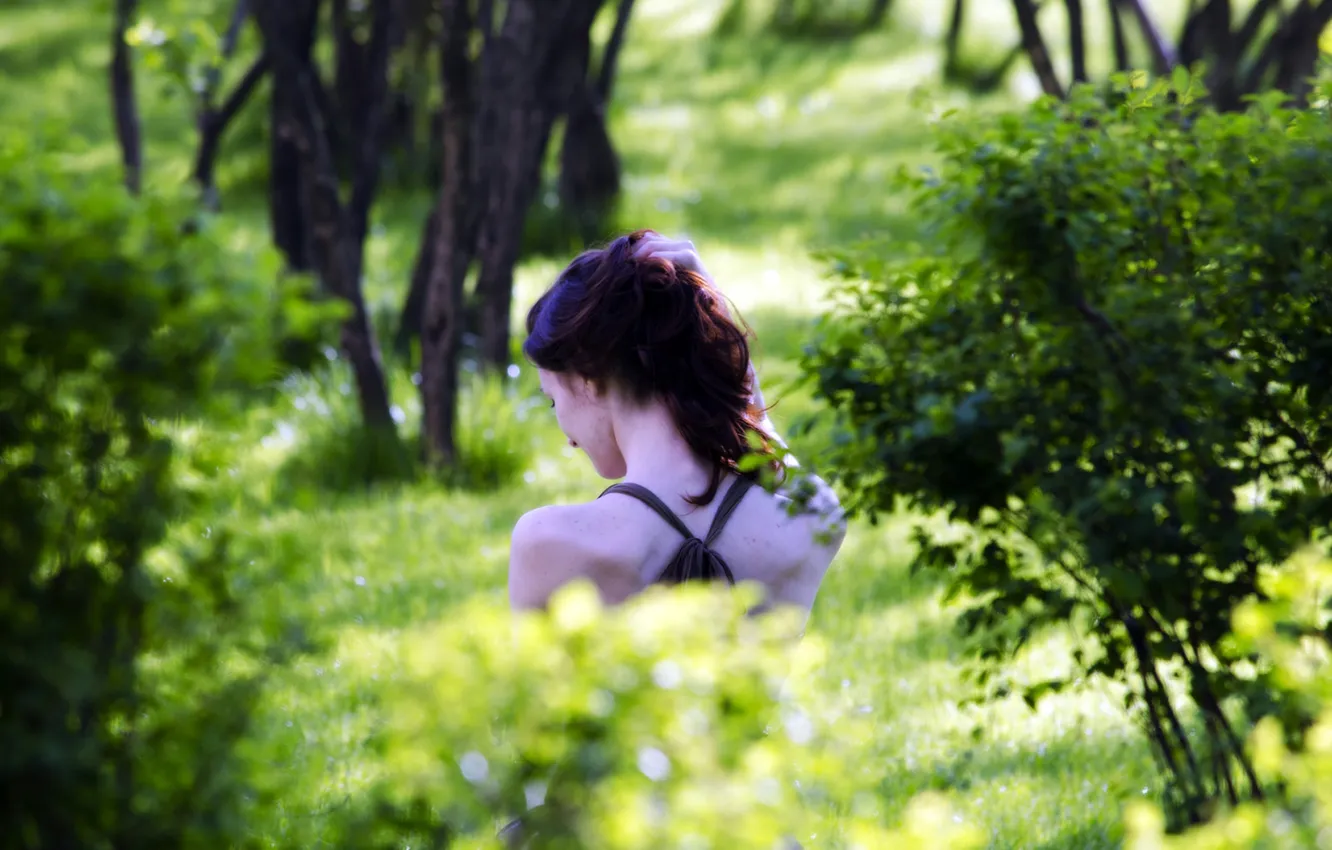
(695, 560)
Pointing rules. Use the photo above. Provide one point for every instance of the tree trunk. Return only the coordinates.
(589, 181)
(1034, 43)
(446, 271)
(124, 102)
(286, 210)
(610, 56)
(530, 73)
(293, 34)
(332, 232)
(953, 39)
(1299, 50)
(351, 61)
(1077, 42)
(1120, 37)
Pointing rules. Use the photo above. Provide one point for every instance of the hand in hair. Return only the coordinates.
(683, 254)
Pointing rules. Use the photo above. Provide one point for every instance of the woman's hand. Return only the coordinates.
(681, 252)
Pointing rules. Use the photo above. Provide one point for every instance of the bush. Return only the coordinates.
(117, 729)
(1111, 371)
(675, 721)
(1285, 631)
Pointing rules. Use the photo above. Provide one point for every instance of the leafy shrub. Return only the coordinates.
(1112, 371)
(1290, 630)
(115, 727)
(673, 721)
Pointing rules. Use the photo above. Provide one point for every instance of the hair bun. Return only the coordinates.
(655, 330)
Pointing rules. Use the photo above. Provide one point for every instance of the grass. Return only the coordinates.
(760, 150)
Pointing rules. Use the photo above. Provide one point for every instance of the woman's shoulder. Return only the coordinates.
(586, 525)
(555, 544)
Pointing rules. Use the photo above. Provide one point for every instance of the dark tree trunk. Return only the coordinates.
(1190, 45)
(589, 182)
(292, 34)
(610, 56)
(953, 39)
(124, 102)
(1034, 44)
(351, 60)
(451, 246)
(590, 173)
(286, 210)
(1077, 43)
(1119, 37)
(1299, 50)
(1213, 25)
(530, 72)
(332, 233)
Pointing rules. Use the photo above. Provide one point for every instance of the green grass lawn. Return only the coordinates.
(761, 151)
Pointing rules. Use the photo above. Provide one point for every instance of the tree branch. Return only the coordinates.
(1163, 57)
(1252, 24)
(213, 124)
(1034, 43)
(610, 56)
(229, 41)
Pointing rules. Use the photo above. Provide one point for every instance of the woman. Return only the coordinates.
(650, 376)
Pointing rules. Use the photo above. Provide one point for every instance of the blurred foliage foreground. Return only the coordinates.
(132, 664)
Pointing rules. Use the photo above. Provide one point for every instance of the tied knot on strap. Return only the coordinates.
(695, 560)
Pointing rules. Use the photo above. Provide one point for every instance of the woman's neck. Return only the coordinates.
(655, 454)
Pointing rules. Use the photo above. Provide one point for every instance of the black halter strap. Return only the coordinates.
(695, 559)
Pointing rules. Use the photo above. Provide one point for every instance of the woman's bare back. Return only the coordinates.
(624, 545)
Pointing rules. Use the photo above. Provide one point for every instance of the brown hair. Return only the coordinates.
(654, 329)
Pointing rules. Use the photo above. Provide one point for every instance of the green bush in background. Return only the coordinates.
(124, 694)
(1111, 371)
(1284, 630)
